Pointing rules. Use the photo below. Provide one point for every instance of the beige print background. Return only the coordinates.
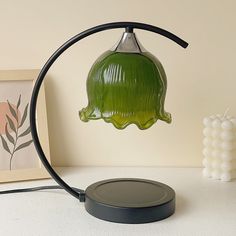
(25, 157)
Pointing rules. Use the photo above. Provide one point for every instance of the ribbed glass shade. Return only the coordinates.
(126, 88)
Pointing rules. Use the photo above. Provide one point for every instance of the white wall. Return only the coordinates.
(201, 79)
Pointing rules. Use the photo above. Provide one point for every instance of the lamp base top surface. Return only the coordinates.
(130, 200)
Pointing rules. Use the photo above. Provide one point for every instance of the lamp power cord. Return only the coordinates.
(33, 189)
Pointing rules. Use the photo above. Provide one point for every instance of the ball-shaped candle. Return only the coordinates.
(227, 125)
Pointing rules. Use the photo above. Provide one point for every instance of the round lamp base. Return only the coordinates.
(129, 200)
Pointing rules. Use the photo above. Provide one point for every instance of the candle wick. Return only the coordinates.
(226, 111)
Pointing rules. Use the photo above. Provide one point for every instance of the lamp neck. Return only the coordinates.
(128, 43)
(129, 29)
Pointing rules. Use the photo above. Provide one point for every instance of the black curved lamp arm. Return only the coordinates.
(129, 26)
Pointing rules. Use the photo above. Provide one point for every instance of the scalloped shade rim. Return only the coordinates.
(122, 125)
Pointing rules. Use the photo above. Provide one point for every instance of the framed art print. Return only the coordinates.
(18, 157)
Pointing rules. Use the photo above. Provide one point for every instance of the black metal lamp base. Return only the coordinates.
(129, 200)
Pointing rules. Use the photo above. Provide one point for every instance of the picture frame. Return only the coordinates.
(18, 157)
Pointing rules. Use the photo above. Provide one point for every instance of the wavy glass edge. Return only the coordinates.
(122, 125)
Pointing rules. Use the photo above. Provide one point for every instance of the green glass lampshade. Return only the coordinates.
(126, 85)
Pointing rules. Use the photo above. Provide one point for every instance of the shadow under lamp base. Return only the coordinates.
(130, 200)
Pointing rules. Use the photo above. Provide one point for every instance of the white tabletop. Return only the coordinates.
(204, 206)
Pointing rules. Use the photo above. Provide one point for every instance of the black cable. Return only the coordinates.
(23, 190)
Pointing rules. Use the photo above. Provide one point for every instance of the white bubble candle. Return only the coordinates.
(219, 147)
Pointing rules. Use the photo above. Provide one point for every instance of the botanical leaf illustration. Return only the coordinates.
(12, 110)
(23, 145)
(4, 144)
(24, 115)
(14, 124)
(9, 137)
(11, 124)
(27, 131)
(19, 101)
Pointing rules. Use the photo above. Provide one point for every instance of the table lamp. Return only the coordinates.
(126, 85)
